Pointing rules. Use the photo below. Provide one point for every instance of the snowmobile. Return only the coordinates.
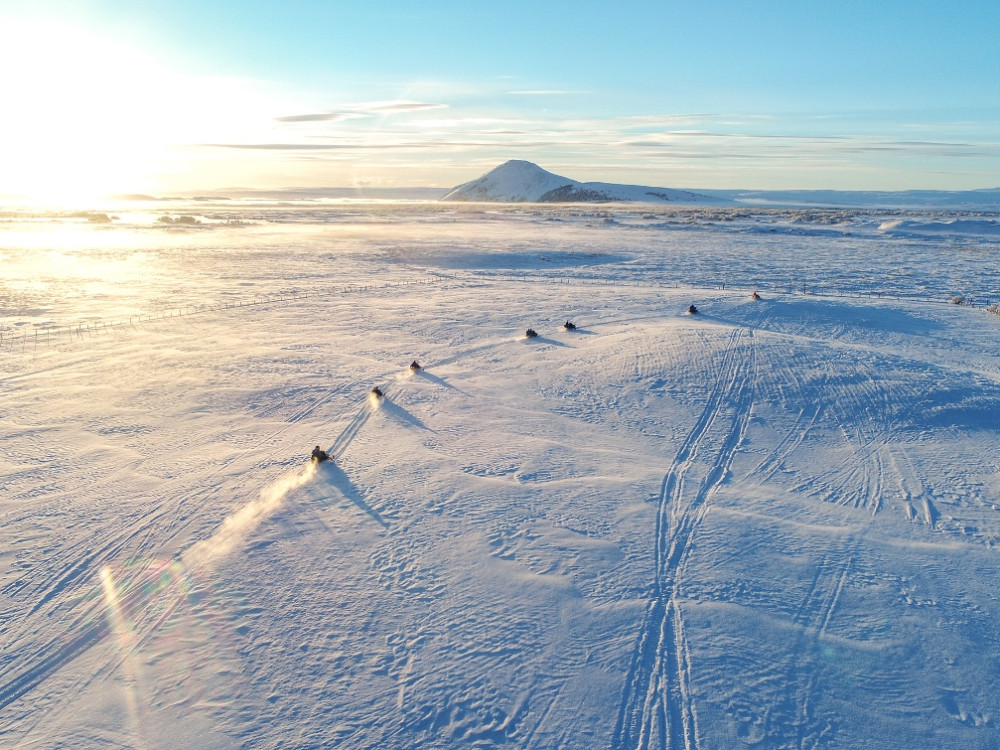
(692, 310)
(569, 326)
(377, 392)
(755, 296)
(414, 366)
(319, 455)
(531, 333)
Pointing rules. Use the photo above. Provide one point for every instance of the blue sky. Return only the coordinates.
(180, 95)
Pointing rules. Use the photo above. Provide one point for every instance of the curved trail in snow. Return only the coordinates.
(656, 709)
(142, 598)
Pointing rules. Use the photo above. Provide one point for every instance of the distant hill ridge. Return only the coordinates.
(518, 181)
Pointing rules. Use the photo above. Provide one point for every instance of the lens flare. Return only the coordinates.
(127, 642)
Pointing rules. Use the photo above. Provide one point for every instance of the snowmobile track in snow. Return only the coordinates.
(88, 625)
(656, 709)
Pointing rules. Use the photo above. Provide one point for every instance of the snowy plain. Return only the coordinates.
(772, 524)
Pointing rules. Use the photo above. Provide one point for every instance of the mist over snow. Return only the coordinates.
(774, 523)
(943, 227)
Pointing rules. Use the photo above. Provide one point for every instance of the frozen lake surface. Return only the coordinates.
(773, 523)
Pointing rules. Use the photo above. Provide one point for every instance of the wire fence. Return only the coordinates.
(40, 336)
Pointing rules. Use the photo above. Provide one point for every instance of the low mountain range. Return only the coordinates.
(518, 181)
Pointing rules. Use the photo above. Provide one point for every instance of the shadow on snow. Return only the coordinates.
(336, 477)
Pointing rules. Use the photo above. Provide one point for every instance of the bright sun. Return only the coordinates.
(78, 119)
(85, 117)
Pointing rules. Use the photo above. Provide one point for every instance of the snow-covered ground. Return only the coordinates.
(774, 523)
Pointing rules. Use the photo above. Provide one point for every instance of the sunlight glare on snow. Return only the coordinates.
(72, 253)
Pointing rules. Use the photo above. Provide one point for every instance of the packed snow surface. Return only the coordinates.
(774, 523)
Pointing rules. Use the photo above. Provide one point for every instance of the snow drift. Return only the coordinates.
(949, 227)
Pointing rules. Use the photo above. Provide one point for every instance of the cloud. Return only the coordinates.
(669, 138)
(565, 139)
(429, 144)
(696, 148)
(320, 117)
(400, 106)
(936, 144)
(292, 146)
(546, 92)
(359, 111)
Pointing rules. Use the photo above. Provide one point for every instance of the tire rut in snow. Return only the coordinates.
(656, 708)
(857, 482)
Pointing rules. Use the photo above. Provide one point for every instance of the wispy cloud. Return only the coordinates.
(402, 106)
(319, 117)
(601, 137)
(546, 92)
(669, 120)
(357, 111)
(284, 146)
(454, 141)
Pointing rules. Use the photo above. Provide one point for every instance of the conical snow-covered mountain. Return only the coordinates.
(518, 181)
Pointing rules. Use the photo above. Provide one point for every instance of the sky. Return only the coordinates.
(171, 97)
